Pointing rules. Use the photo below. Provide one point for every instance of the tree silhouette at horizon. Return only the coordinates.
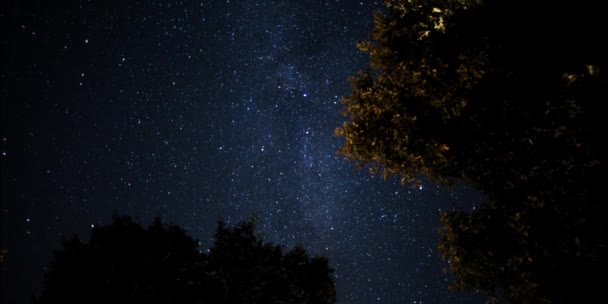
(126, 263)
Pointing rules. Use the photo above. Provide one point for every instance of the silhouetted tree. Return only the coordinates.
(252, 271)
(544, 250)
(509, 97)
(127, 263)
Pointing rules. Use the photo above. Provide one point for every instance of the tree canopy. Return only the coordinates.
(507, 96)
(126, 263)
(462, 91)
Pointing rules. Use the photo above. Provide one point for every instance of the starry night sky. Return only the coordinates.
(198, 110)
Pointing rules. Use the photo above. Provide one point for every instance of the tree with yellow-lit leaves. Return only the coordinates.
(509, 97)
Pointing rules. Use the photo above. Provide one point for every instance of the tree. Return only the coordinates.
(252, 271)
(526, 255)
(455, 92)
(507, 96)
(125, 262)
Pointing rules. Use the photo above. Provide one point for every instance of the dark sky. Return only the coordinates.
(196, 110)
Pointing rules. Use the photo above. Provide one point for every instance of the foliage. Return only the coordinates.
(125, 262)
(543, 250)
(456, 93)
(252, 271)
(509, 97)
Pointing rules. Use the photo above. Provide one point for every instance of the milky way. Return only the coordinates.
(195, 111)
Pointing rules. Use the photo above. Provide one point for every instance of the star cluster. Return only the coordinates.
(195, 111)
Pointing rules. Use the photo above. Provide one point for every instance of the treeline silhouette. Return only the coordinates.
(125, 262)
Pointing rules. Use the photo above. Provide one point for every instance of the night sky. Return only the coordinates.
(198, 110)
